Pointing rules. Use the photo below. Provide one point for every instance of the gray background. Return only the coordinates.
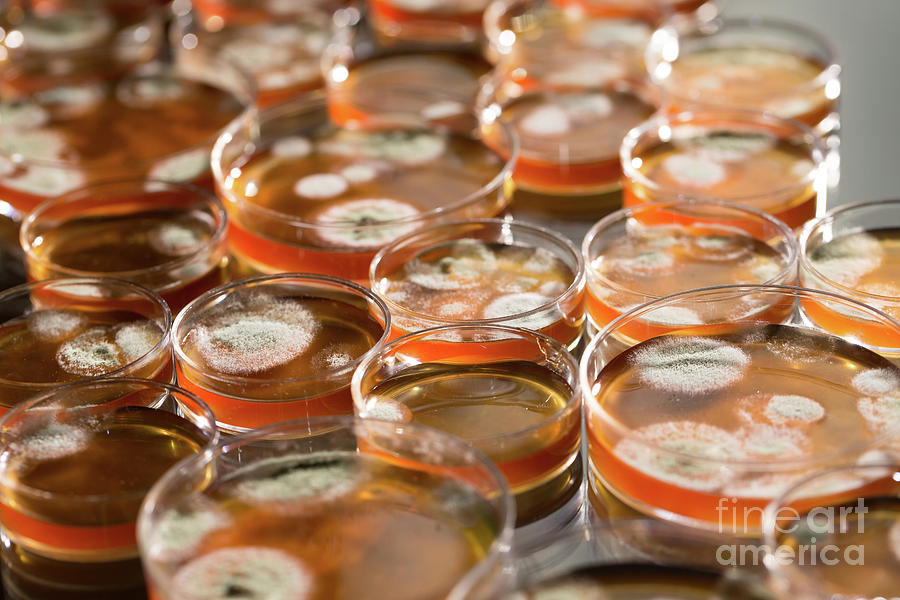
(866, 34)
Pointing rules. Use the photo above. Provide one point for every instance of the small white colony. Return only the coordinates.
(286, 479)
(802, 169)
(515, 304)
(260, 573)
(541, 261)
(443, 109)
(407, 148)
(793, 352)
(466, 266)
(694, 171)
(321, 186)
(452, 309)
(762, 441)
(583, 108)
(552, 289)
(776, 427)
(880, 406)
(364, 223)
(722, 146)
(725, 246)
(564, 115)
(846, 259)
(294, 146)
(794, 106)
(672, 316)
(175, 239)
(85, 290)
(793, 410)
(361, 172)
(546, 120)
(758, 485)
(386, 409)
(876, 382)
(665, 451)
(650, 263)
(179, 531)
(332, 356)
(762, 268)
(659, 237)
(55, 324)
(184, 166)
(55, 440)
(137, 339)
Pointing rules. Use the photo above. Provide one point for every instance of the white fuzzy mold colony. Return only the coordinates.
(366, 223)
(880, 406)
(321, 186)
(176, 239)
(319, 476)
(469, 279)
(184, 166)
(258, 572)
(255, 336)
(96, 350)
(294, 146)
(689, 365)
(387, 410)
(54, 441)
(55, 324)
(846, 259)
(694, 171)
(683, 453)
